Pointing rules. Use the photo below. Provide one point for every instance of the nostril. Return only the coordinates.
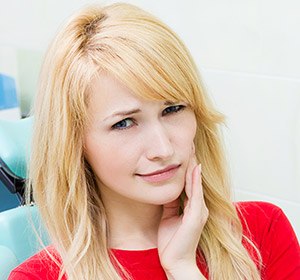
(159, 144)
(160, 150)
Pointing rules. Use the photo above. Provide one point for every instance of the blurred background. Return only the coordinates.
(248, 55)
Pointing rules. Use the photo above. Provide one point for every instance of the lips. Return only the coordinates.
(160, 175)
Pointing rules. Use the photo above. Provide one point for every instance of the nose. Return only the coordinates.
(159, 145)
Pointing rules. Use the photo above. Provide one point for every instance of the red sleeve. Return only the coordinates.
(273, 234)
(19, 275)
(38, 267)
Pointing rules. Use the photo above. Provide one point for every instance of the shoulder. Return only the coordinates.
(269, 229)
(262, 219)
(256, 211)
(39, 266)
(262, 207)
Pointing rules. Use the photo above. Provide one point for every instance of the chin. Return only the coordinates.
(166, 197)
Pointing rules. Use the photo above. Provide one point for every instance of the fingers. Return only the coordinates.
(199, 211)
(196, 213)
(188, 176)
(193, 186)
(196, 186)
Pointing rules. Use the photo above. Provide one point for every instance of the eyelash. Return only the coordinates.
(167, 111)
(176, 107)
(118, 127)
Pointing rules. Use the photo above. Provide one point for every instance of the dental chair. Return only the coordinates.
(15, 139)
(20, 225)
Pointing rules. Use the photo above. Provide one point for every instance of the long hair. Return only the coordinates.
(149, 58)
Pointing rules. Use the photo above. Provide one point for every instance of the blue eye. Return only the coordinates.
(173, 109)
(123, 124)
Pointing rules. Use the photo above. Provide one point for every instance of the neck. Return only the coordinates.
(132, 225)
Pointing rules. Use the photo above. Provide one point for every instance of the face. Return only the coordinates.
(138, 149)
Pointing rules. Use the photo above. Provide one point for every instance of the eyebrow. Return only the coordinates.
(123, 113)
(132, 111)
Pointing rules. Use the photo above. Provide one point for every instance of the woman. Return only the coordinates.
(121, 124)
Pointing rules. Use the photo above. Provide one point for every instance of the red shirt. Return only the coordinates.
(267, 227)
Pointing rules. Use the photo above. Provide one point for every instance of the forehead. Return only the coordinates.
(107, 89)
(109, 94)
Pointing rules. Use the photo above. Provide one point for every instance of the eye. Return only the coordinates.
(123, 124)
(173, 109)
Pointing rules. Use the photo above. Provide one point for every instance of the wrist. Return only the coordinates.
(185, 272)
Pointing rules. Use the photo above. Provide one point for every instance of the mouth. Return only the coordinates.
(160, 175)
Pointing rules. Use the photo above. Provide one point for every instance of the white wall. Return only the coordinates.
(248, 54)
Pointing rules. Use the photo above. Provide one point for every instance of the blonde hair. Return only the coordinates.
(151, 60)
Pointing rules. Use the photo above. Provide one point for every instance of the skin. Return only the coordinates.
(122, 149)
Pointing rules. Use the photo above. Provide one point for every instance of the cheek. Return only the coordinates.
(108, 159)
(187, 133)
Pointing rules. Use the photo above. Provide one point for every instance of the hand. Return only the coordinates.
(178, 236)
